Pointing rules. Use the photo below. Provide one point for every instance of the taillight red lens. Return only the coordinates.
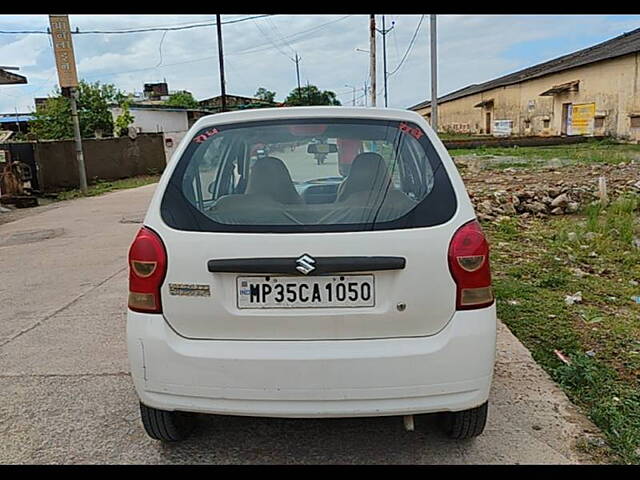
(147, 269)
(469, 265)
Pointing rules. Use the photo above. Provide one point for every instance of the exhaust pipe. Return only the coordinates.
(408, 423)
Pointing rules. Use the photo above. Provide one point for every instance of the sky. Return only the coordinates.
(259, 52)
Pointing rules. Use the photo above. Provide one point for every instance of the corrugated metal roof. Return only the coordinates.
(10, 78)
(14, 119)
(616, 47)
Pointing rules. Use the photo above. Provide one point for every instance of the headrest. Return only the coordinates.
(270, 177)
(368, 173)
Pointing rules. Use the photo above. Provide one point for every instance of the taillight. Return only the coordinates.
(469, 265)
(147, 268)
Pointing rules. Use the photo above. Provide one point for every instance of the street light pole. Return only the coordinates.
(434, 75)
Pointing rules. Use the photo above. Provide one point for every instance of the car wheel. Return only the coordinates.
(166, 426)
(465, 424)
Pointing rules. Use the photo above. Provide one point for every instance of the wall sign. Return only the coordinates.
(582, 119)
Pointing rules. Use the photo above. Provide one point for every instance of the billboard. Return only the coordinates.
(502, 128)
(582, 119)
(63, 50)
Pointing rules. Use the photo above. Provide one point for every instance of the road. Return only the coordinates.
(66, 395)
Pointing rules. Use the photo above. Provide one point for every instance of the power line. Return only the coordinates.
(275, 28)
(139, 30)
(270, 40)
(250, 50)
(409, 48)
(293, 38)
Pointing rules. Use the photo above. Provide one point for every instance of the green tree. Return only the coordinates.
(53, 120)
(182, 99)
(266, 95)
(123, 120)
(311, 95)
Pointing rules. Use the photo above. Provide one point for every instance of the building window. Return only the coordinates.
(635, 122)
(546, 123)
(598, 122)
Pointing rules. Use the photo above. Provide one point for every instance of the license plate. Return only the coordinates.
(342, 291)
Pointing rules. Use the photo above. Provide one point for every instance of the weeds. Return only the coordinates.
(536, 264)
(100, 187)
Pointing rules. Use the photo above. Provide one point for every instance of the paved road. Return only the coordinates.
(66, 395)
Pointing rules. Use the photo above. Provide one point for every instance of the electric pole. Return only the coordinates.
(434, 76)
(68, 81)
(354, 94)
(365, 93)
(220, 56)
(372, 57)
(384, 32)
(297, 61)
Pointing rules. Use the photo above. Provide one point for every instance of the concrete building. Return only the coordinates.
(171, 121)
(235, 102)
(595, 91)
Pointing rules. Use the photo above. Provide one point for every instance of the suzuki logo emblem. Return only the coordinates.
(306, 264)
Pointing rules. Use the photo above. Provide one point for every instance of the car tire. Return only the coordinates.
(465, 424)
(166, 426)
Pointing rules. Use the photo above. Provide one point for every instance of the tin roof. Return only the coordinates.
(9, 78)
(624, 44)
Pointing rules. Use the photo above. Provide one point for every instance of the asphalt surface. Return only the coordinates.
(66, 396)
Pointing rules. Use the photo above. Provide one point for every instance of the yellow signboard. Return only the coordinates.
(582, 118)
(63, 50)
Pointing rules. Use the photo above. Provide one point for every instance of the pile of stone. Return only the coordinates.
(546, 190)
(538, 202)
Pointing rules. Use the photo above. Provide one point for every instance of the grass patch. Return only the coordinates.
(100, 187)
(536, 264)
(597, 151)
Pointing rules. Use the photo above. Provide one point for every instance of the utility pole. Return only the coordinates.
(78, 139)
(221, 58)
(68, 81)
(434, 75)
(365, 93)
(297, 60)
(372, 57)
(354, 94)
(384, 32)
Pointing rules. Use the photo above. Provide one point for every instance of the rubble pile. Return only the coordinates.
(544, 191)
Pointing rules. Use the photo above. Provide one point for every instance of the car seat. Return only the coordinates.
(270, 177)
(368, 174)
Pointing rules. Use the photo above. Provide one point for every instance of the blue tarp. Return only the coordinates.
(14, 119)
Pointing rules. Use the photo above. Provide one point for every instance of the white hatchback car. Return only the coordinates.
(267, 283)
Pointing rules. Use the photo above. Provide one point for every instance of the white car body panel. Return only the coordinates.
(425, 286)
(203, 354)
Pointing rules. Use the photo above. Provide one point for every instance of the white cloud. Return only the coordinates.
(472, 49)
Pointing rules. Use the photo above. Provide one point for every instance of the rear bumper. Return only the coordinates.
(449, 371)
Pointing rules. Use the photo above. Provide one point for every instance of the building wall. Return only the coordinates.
(173, 125)
(613, 85)
(105, 159)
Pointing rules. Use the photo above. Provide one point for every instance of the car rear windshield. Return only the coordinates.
(308, 175)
